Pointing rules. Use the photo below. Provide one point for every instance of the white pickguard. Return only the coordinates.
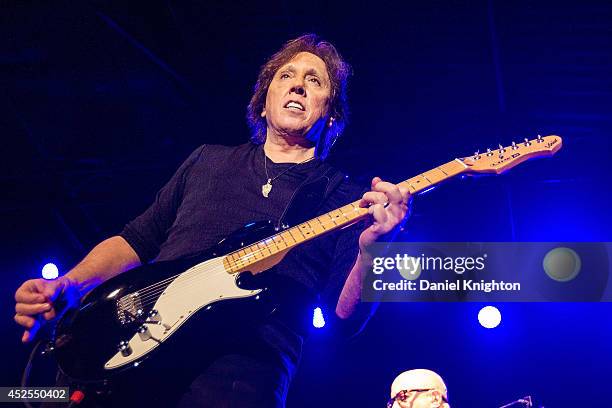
(192, 290)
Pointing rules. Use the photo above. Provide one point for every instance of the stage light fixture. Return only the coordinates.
(318, 320)
(489, 317)
(50, 271)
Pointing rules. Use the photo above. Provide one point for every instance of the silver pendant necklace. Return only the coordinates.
(267, 187)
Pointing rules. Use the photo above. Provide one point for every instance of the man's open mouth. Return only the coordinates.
(295, 105)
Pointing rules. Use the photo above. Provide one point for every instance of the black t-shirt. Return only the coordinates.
(217, 190)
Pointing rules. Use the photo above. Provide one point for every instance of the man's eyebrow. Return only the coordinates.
(290, 68)
(313, 71)
(310, 71)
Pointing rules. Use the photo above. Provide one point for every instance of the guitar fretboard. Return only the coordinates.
(346, 215)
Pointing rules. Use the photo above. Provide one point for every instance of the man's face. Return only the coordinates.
(298, 95)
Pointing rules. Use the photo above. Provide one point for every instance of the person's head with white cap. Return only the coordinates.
(418, 388)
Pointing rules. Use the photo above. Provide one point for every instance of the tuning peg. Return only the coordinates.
(489, 153)
(501, 148)
(477, 155)
(514, 146)
(527, 143)
(540, 140)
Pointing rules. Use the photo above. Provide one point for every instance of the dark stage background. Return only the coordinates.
(101, 100)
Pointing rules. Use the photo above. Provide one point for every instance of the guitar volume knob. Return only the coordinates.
(124, 348)
(144, 333)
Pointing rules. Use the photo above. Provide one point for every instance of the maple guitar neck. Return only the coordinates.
(264, 254)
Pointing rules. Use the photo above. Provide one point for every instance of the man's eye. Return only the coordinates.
(283, 76)
(316, 81)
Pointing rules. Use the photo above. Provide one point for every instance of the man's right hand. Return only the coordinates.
(36, 297)
(35, 300)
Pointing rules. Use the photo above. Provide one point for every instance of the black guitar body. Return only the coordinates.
(87, 336)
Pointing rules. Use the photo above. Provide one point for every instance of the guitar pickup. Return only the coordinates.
(129, 308)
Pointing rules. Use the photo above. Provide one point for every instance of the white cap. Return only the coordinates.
(418, 379)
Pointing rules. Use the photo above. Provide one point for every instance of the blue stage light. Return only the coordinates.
(318, 320)
(50, 271)
(489, 317)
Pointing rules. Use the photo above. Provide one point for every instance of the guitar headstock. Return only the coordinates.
(504, 158)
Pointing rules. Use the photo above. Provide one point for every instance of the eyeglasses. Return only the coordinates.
(403, 396)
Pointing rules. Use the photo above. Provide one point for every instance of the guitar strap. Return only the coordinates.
(291, 300)
(310, 195)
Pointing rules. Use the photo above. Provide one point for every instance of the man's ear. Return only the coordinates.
(263, 113)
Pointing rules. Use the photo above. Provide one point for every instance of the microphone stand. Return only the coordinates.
(525, 400)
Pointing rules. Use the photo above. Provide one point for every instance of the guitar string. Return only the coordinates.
(241, 262)
(167, 280)
(172, 291)
(244, 260)
(155, 289)
(153, 298)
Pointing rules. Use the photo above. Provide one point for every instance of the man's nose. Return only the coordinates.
(299, 89)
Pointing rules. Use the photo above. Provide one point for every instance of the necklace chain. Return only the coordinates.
(267, 187)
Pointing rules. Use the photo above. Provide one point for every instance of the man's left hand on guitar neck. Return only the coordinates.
(388, 207)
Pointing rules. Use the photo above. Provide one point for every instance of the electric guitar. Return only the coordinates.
(122, 321)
